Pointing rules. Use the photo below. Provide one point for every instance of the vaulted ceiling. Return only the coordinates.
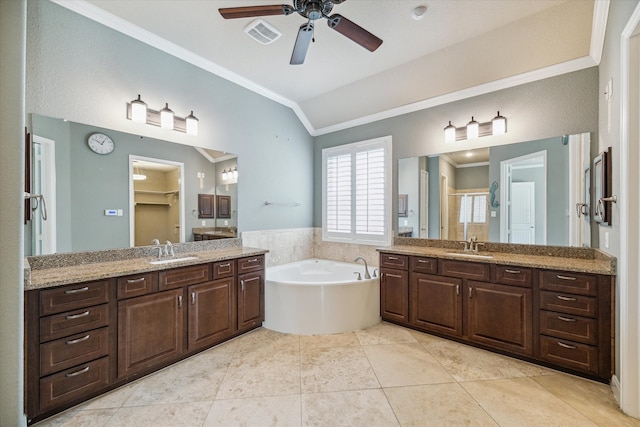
(459, 48)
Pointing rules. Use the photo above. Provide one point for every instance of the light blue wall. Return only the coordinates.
(409, 184)
(84, 72)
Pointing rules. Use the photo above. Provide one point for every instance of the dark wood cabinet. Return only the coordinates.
(150, 331)
(206, 206)
(250, 300)
(500, 316)
(436, 303)
(212, 313)
(224, 206)
(394, 294)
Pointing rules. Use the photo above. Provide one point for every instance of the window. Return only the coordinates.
(356, 192)
(473, 209)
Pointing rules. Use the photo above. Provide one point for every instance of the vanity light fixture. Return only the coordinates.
(137, 111)
(474, 130)
(225, 175)
(235, 172)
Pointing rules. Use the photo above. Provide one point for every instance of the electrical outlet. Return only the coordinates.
(204, 223)
(226, 222)
(606, 239)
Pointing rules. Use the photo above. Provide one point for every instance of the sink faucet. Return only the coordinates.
(168, 249)
(472, 244)
(366, 268)
(156, 243)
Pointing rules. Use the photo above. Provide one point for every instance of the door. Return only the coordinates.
(212, 314)
(444, 207)
(250, 300)
(44, 183)
(436, 303)
(394, 295)
(150, 331)
(522, 213)
(424, 204)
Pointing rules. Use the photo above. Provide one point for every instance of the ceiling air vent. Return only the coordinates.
(262, 32)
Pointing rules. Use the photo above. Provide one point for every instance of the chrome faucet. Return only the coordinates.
(156, 243)
(168, 249)
(472, 244)
(366, 268)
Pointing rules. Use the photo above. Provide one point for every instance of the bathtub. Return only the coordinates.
(316, 296)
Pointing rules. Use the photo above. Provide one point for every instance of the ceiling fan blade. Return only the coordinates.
(251, 11)
(305, 34)
(354, 32)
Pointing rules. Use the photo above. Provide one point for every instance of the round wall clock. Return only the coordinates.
(100, 143)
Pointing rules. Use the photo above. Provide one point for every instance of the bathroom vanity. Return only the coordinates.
(548, 305)
(93, 326)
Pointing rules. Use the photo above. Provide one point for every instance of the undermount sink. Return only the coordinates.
(469, 255)
(171, 260)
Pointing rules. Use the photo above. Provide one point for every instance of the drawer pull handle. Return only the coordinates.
(135, 280)
(513, 271)
(393, 258)
(76, 341)
(77, 316)
(570, 347)
(253, 260)
(470, 292)
(560, 297)
(424, 261)
(226, 265)
(81, 371)
(565, 277)
(566, 319)
(457, 290)
(75, 291)
(242, 285)
(179, 301)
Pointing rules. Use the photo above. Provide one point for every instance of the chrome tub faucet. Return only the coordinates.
(366, 268)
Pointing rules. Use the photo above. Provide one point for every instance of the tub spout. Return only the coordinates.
(366, 268)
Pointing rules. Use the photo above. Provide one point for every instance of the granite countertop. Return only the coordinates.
(581, 260)
(83, 267)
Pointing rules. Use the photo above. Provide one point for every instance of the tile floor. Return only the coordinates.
(382, 376)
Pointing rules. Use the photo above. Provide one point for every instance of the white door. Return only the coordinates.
(44, 183)
(424, 202)
(444, 207)
(523, 218)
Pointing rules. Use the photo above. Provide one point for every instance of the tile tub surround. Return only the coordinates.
(62, 269)
(385, 375)
(584, 260)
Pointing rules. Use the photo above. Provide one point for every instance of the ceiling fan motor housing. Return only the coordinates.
(314, 9)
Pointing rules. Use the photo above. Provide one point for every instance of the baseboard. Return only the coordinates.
(615, 388)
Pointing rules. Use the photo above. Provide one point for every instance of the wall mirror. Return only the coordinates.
(534, 192)
(91, 197)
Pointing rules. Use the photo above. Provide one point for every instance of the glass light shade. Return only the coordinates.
(192, 124)
(450, 133)
(235, 172)
(499, 124)
(138, 110)
(225, 175)
(166, 117)
(139, 177)
(473, 129)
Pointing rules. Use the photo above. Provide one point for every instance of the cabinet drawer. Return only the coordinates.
(569, 354)
(66, 298)
(74, 384)
(400, 262)
(136, 285)
(183, 276)
(424, 265)
(571, 304)
(250, 264)
(71, 351)
(573, 283)
(73, 322)
(510, 275)
(223, 269)
(464, 269)
(574, 328)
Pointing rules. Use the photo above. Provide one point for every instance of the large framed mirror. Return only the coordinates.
(534, 192)
(91, 196)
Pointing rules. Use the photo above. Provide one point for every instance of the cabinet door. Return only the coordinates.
(436, 303)
(150, 331)
(205, 206)
(250, 300)
(212, 314)
(224, 206)
(394, 295)
(500, 316)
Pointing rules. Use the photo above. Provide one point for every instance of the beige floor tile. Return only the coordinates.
(266, 341)
(191, 380)
(385, 333)
(280, 411)
(523, 402)
(359, 408)
(336, 369)
(261, 374)
(594, 400)
(335, 340)
(167, 415)
(467, 363)
(436, 405)
(113, 399)
(74, 418)
(405, 364)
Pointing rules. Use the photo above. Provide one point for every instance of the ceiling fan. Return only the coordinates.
(311, 10)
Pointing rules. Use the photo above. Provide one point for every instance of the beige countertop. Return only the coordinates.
(50, 276)
(598, 263)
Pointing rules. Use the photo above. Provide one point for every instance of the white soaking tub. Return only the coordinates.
(316, 296)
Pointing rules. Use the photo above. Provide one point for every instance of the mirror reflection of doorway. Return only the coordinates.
(156, 200)
(523, 182)
(444, 207)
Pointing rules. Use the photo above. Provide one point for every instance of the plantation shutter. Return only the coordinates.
(339, 193)
(370, 180)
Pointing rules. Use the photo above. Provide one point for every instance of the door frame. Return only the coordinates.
(50, 179)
